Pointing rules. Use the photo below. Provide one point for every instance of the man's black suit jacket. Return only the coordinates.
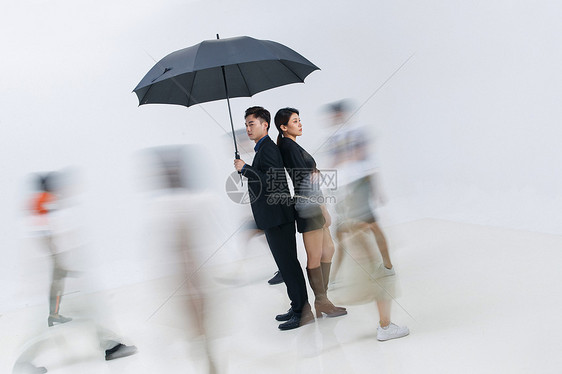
(268, 188)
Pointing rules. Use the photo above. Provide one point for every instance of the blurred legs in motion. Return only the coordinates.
(355, 214)
(59, 274)
(381, 243)
(55, 294)
(362, 281)
(184, 223)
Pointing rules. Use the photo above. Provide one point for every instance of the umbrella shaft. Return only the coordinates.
(236, 154)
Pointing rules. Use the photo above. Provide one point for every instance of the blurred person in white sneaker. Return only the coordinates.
(362, 277)
(350, 151)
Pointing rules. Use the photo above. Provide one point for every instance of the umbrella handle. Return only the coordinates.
(237, 157)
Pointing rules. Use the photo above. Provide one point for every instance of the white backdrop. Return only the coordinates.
(466, 130)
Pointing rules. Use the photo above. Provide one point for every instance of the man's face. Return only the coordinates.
(256, 128)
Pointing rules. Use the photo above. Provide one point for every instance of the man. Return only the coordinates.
(273, 213)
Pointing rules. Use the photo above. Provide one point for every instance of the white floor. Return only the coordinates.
(477, 299)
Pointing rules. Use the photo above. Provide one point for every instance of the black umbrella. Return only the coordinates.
(221, 69)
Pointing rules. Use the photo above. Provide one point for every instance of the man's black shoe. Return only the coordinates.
(277, 278)
(298, 320)
(293, 323)
(286, 316)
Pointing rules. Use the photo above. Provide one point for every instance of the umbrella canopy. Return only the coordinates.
(221, 69)
(197, 74)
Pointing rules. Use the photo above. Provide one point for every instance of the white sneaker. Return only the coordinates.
(382, 271)
(391, 331)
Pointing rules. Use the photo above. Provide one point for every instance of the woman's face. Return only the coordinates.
(293, 127)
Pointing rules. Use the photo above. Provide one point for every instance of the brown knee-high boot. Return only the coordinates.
(321, 303)
(326, 266)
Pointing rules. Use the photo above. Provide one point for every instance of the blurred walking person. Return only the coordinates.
(44, 208)
(54, 217)
(358, 182)
(186, 218)
(349, 147)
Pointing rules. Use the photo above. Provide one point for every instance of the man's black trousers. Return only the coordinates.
(283, 246)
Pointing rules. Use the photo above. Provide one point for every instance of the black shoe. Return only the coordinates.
(120, 350)
(293, 323)
(297, 320)
(285, 317)
(277, 278)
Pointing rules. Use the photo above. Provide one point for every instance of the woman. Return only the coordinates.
(313, 220)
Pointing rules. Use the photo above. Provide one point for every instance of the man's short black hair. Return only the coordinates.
(259, 112)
